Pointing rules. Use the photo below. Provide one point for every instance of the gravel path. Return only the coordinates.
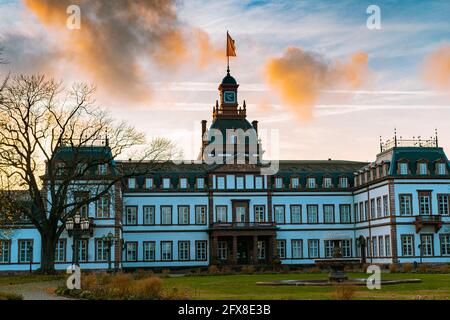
(35, 290)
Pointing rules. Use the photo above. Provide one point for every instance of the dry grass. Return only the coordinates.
(393, 268)
(344, 291)
(407, 267)
(213, 269)
(248, 270)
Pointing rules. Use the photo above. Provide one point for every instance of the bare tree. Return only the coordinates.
(51, 138)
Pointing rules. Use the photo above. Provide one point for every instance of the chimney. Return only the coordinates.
(255, 125)
(203, 127)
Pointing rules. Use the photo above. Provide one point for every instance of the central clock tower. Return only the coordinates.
(228, 107)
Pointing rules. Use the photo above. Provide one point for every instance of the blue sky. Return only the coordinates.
(344, 126)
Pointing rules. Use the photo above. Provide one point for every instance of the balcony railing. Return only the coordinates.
(243, 225)
(424, 220)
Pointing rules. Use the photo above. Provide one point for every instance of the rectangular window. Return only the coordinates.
(311, 183)
(327, 183)
(361, 211)
(387, 242)
(183, 214)
(149, 215)
(296, 249)
(373, 213)
(221, 214)
(445, 244)
(312, 214)
(281, 249)
(343, 182)
(103, 207)
(166, 215)
(258, 182)
(403, 168)
(385, 206)
(166, 183)
(131, 251)
(366, 210)
(101, 253)
(131, 183)
(130, 215)
(149, 183)
(239, 182)
(60, 251)
(381, 245)
(426, 243)
(328, 248)
(443, 204)
(313, 248)
(166, 250)
(345, 214)
(407, 245)
(102, 169)
(200, 214)
(328, 213)
(295, 183)
(346, 246)
(261, 249)
(425, 203)
(356, 212)
(84, 209)
(423, 168)
(183, 183)
(441, 168)
(374, 246)
(200, 183)
(183, 250)
(83, 250)
(220, 183)
(5, 251)
(296, 213)
(405, 204)
(278, 183)
(201, 250)
(222, 248)
(379, 211)
(260, 215)
(149, 250)
(279, 214)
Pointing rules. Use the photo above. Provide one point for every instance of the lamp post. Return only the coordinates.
(30, 252)
(361, 242)
(420, 251)
(109, 239)
(76, 227)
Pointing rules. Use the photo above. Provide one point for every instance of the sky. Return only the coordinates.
(311, 71)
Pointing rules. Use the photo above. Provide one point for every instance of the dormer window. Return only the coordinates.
(441, 170)
(183, 183)
(131, 183)
(327, 183)
(200, 183)
(295, 183)
(403, 168)
(102, 169)
(343, 182)
(423, 170)
(311, 183)
(148, 183)
(278, 183)
(166, 183)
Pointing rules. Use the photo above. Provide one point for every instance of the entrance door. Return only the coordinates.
(243, 251)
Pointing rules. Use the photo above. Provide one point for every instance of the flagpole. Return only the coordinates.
(228, 57)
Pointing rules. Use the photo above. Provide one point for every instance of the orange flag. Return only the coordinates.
(231, 49)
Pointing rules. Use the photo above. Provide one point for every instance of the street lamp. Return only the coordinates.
(109, 239)
(421, 251)
(76, 227)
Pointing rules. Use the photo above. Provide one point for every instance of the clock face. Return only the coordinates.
(229, 97)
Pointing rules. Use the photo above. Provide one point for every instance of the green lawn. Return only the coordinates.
(433, 286)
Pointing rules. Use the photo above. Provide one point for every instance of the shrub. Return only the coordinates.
(445, 268)
(89, 281)
(314, 270)
(119, 285)
(393, 268)
(407, 267)
(423, 268)
(227, 270)
(212, 269)
(147, 289)
(344, 291)
(142, 274)
(285, 269)
(248, 270)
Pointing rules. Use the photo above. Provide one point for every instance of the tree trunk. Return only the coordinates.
(48, 246)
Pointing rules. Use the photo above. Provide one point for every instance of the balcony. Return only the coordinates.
(428, 220)
(243, 226)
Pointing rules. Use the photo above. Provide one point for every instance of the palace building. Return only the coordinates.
(392, 210)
